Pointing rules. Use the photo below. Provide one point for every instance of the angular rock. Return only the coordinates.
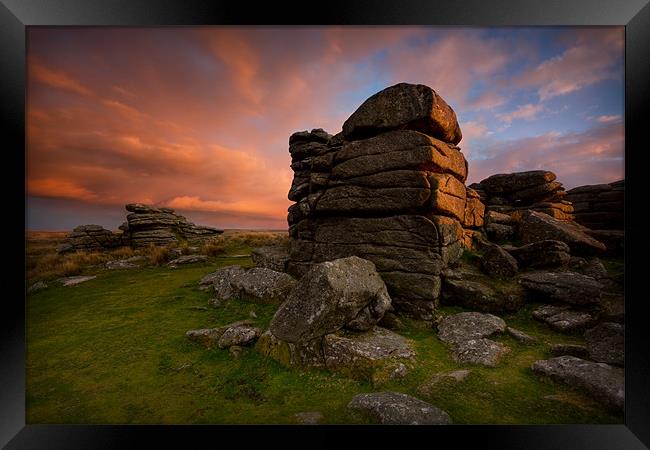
(469, 326)
(499, 233)
(448, 195)
(542, 254)
(536, 227)
(499, 218)
(568, 287)
(187, 259)
(330, 296)
(404, 106)
(222, 280)
(207, 337)
(481, 296)
(604, 383)
(262, 284)
(73, 281)
(606, 343)
(271, 257)
(474, 210)
(478, 351)
(498, 263)
(393, 408)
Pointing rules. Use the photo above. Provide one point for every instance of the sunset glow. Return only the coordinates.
(198, 118)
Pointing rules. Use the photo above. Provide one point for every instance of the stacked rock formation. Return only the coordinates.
(599, 206)
(390, 189)
(147, 225)
(535, 190)
(92, 238)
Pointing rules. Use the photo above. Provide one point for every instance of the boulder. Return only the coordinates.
(498, 263)
(456, 376)
(540, 254)
(469, 326)
(606, 343)
(579, 351)
(498, 232)
(481, 296)
(404, 106)
(128, 263)
(235, 334)
(262, 284)
(564, 318)
(520, 336)
(309, 417)
(221, 281)
(393, 408)
(603, 382)
(273, 257)
(568, 287)
(535, 227)
(512, 182)
(333, 294)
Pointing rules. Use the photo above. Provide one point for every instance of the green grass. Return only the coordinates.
(113, 350)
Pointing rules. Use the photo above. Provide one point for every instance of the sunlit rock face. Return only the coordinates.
(390, 188)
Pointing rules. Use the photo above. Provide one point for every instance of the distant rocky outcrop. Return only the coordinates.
(535, 190)
(390, 189)
(599, 206)
(146, 225)
(92, 238)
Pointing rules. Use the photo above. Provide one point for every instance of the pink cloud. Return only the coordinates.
(527, 112)
(609, 119)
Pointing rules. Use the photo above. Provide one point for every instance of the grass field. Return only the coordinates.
(113, 350)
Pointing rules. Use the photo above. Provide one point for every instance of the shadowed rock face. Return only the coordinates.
(599, 206)
(389, 189)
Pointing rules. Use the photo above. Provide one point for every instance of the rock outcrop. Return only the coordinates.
(390, 189)
(535, 190)
(145, 225)
(599, 206)
(535, 227)
(92, 238)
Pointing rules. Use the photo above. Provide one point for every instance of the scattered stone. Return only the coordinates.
(345, 292)
(37, 286)
(478, 351)
(579, 351)
(215, 302)
(568, 287)
(535, 226)
(498, 263)
(309, 417)
(469, 325)
(521, 336)
(563, 318)
(388, 373)
(238, 335)
(398, 409)
(603, 382)
(271, 257)
(187, 259)
(252, 314)
(455, 376)
(606, 343)
(183, 367)
(197, 308)
(73, 281)
(128, 263)
(542, 254)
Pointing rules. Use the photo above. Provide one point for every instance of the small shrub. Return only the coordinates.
(214, 247)
(121, 253)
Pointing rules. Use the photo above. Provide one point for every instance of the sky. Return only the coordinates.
(198, 118)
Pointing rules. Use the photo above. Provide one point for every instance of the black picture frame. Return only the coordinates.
(16, 15)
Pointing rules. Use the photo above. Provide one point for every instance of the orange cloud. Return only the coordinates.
(56, 79)
(57, 188)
